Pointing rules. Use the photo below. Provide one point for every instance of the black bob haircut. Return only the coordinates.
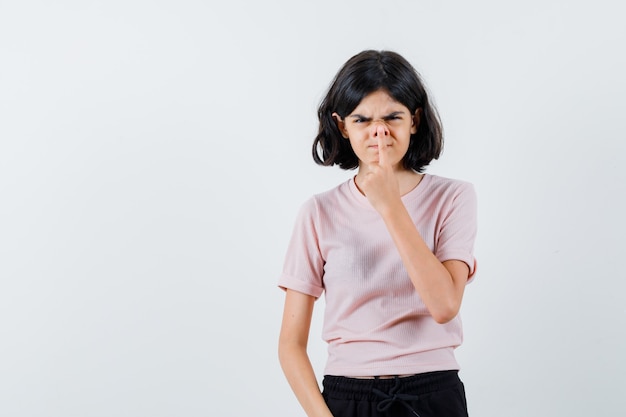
(365, 73)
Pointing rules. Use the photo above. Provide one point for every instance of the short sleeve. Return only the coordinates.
(457, 230)
(303, 268)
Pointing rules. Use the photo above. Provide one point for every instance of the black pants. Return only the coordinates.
(432, 394)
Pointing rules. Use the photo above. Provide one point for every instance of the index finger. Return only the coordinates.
(382, 146)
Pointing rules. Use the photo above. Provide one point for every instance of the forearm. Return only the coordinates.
(431, 279)
(301, 377)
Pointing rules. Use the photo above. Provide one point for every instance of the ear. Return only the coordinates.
(341, 125)
(416, 120)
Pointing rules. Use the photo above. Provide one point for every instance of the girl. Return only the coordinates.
(391, 248)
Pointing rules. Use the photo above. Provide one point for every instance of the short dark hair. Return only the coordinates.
(363, 74)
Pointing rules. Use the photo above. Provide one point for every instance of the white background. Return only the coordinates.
(153, 155)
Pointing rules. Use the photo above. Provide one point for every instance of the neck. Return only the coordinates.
(407, 179)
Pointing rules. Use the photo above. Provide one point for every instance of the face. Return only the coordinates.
(379, 114)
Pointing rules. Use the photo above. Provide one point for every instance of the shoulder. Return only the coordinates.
(450, 187)
(444, 183)
(324, 201)
(331, 197)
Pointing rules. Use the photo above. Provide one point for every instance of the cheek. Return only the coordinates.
(401, 134)
(357, 136)
(356, 143)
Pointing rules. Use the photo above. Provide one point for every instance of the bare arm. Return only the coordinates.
(440, 285)
(292, 353)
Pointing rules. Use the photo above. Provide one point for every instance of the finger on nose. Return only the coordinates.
(380, 131)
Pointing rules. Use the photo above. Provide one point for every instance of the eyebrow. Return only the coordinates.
(367, 119)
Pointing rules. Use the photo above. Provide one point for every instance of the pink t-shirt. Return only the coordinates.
(375, 323)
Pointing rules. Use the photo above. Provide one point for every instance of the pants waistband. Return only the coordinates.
(359, 389)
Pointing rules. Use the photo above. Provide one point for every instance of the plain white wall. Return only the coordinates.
(153, 155)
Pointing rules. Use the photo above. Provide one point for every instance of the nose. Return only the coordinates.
(379, 129)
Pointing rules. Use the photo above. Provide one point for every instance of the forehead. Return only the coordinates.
(379, 101)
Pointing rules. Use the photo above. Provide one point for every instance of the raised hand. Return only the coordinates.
(379, 182)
